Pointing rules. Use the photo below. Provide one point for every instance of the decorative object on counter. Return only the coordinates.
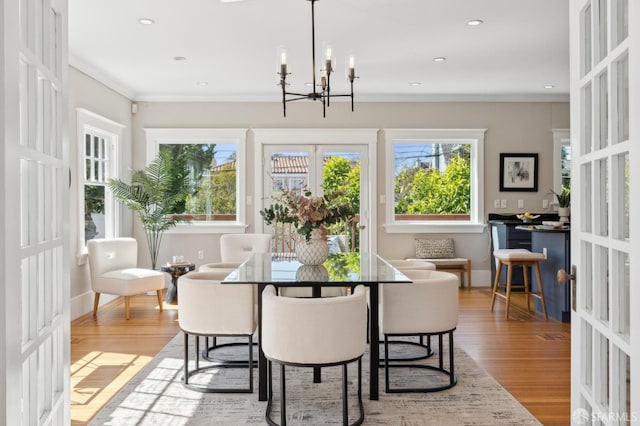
(519, 172)
(527, 217)
(564, 203)
(154, 194)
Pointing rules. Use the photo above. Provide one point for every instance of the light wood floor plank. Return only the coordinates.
(528, 356)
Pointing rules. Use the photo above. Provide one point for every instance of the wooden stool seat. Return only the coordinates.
(524, 258)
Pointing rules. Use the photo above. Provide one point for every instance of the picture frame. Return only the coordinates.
(519, 172)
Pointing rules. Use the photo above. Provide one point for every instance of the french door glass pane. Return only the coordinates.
(620, 176)
(586, 39)
(620, 21)
(586, 204)
(341, 181)
(601, 388)
(622, 95)
(586, 277)
(601, 204)
(587, 355)
(587, 122)
(601, 282)
(602, 30)
(621, 293)
(602, 107)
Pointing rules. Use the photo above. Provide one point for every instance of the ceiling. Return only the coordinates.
(521, 47)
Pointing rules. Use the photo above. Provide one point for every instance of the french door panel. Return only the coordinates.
(605, 44)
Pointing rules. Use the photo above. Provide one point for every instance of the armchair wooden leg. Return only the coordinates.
(159, 292)
(127, 302)
(469, 274)
(96, 299)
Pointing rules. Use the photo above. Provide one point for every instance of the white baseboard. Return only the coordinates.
(83, 303)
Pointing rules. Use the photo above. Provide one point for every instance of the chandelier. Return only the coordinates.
(321, 92)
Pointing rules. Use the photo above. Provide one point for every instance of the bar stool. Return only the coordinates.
(524, 258)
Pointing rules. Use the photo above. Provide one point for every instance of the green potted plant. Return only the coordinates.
(153, 194)
(564, 203)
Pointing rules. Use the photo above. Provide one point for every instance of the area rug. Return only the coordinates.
(156, 397)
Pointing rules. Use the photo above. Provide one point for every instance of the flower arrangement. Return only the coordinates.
(307, 211)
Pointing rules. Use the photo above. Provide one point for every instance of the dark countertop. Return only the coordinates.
(532, 228)
(512, 219)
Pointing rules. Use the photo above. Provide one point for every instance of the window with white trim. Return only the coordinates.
(98, 141)
(214, 160)
(434, 180)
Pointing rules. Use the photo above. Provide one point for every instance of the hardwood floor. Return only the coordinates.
(528, 356)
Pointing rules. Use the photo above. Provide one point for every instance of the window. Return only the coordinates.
(434, 180)
(214, 160)
(98, 140)
(561, 160)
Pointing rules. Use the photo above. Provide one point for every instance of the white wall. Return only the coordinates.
(85, 92)
(512, 127)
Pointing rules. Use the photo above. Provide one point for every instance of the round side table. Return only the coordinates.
(176, 270)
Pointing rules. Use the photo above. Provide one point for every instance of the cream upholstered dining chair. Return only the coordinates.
(208, 308)
(236, 248)
(240, 247)
(113, 270)
(428, 307)
(314, 332)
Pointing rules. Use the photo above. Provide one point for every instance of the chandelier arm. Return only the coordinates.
(301, 97)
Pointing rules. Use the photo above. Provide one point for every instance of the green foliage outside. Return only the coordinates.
(341, 181)
(216, 193)
(187, 161)
(428, 191)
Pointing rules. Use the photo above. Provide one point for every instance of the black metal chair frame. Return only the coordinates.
(206, 353)
(453, 379)
(215, 365)
(283, 400)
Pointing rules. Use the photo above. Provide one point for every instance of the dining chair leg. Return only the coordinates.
(283, 398)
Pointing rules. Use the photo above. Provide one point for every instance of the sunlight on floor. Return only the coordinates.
(88, 376)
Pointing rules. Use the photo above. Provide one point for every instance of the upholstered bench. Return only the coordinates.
(441, 253)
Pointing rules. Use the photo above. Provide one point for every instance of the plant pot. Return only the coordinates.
(564, 213)
(314, 251)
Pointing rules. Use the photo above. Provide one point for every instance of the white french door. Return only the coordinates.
(605, 145)
(302, 159)
(34, 255)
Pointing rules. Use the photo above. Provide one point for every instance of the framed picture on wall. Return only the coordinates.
(519, 172)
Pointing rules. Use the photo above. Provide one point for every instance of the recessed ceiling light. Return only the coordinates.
(549, 86)
(146, 21)
(415, 83)
(474, 22)
(202, 83)
(179, 58)
(439, 59)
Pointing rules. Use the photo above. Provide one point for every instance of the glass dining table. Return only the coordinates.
(345, 270)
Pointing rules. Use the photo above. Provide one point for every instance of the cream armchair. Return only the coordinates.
(113, 269)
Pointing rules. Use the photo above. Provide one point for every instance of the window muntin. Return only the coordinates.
(434, 180)
(215, 161)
